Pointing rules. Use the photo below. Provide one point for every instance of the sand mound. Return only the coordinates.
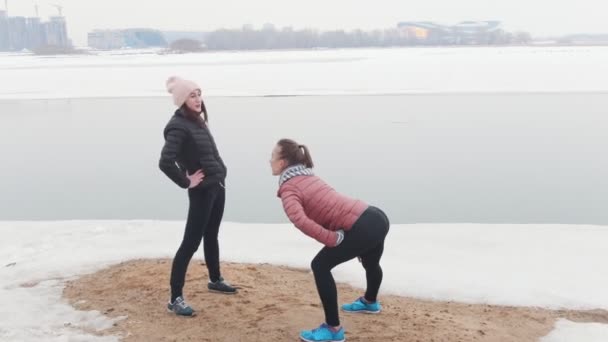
(275, 303)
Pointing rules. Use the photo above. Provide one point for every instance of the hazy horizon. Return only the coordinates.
(584, 16)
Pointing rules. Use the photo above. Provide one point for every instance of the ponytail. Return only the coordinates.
(295, 153)
(307, 158)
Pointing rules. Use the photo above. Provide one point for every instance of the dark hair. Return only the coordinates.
(295, 153)
(194, 116)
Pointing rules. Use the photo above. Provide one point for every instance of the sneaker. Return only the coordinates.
(361, 306)
(221, 286)
(180, 308)
(322, 334)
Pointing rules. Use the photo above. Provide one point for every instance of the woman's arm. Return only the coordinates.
(174, 140)
(294, 209)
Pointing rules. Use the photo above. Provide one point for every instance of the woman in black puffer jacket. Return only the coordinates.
(191, 160)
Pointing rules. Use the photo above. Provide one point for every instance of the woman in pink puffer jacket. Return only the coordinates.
(348, 228)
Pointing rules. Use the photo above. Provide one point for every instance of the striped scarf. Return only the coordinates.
(292, 171)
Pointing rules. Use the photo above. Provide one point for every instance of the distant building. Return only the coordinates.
(56, 32)
(466, 32)
(35, 33)
(19, 33)
(143, 38)
(475, 32)
(4, 37)
(128, 38)
(416, 30)
(582, 39)
(423, 32)
(171, 36)
(106, 39)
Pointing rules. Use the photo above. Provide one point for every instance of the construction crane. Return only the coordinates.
(59, 8)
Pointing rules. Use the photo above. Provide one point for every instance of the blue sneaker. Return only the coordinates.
(180, 308)
(322, 334)
(360, 306)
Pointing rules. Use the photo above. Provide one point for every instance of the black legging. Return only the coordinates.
(204, 217)
(366, 240)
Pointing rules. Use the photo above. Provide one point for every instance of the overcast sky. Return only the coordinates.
(540, 17)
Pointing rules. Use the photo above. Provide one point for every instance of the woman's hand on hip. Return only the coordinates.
(195, 178)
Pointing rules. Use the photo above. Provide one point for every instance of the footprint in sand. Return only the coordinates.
(271, 308)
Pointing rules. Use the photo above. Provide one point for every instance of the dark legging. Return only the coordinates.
(366, 240)
(204, 217)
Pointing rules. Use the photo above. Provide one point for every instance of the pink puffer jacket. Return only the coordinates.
(317, 209)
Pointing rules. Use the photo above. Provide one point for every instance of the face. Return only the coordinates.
(194, 101)
(276, 163)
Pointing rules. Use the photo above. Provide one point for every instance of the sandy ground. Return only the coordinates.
(275, 303)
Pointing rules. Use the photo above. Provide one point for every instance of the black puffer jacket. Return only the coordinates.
(189, 147)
